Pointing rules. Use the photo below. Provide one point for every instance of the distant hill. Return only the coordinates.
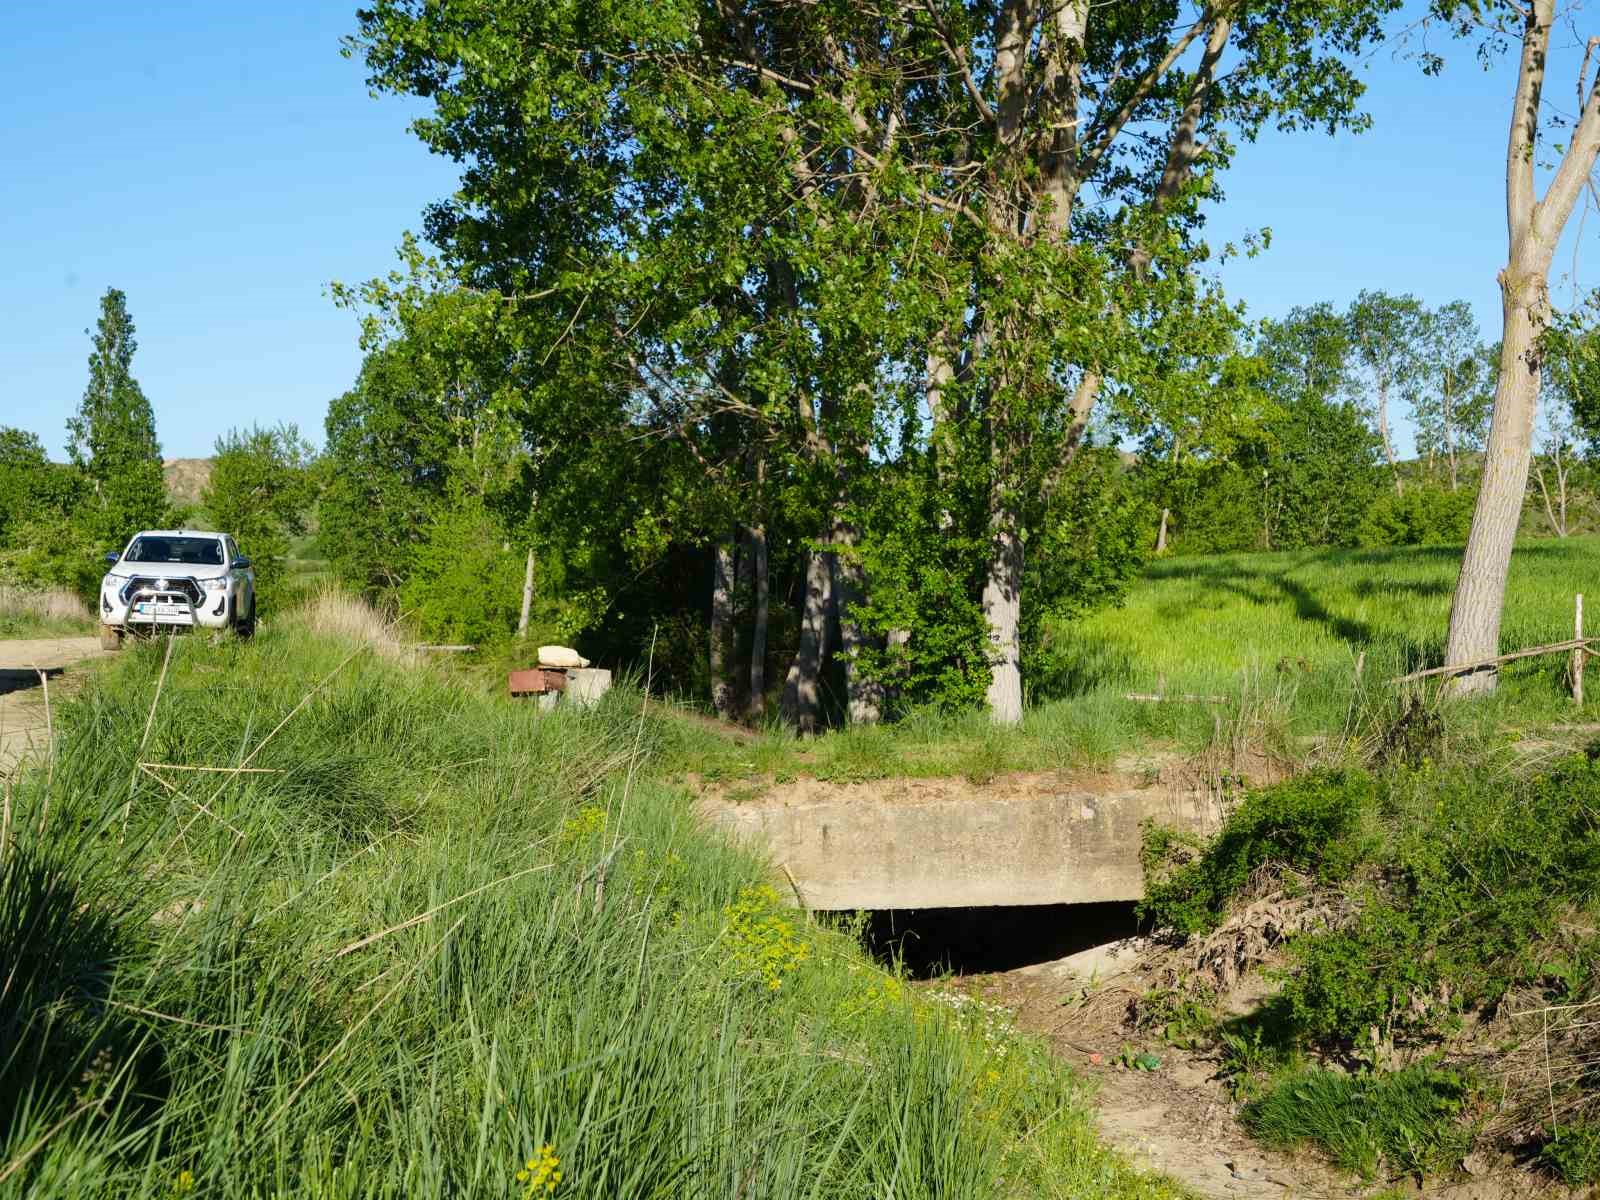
(186, 478)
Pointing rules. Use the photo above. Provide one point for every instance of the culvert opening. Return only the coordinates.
(975, 941)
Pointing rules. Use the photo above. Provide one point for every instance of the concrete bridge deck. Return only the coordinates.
(1055, 838)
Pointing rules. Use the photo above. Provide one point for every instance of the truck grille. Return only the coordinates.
(150, 583)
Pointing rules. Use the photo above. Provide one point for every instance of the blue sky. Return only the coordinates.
(220, 163)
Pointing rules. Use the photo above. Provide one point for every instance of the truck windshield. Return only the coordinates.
(201, 552)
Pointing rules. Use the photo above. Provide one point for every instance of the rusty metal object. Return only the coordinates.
(536, 681)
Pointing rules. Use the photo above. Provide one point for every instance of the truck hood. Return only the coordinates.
(127, 570)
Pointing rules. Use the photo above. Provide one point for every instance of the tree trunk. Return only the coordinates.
(527, 597)
(863, 696)
(1161, 533)
(1002, 611)
(1533, 227)
(1449, 429)
(801, 703)
(1383, 432)
(722, 689)
(1481, 587)
(758, 634)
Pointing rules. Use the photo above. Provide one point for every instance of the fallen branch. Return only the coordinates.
(1179, 698)
(1530, 652)
(222, 770)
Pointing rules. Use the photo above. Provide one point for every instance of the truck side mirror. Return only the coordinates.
(240, 563)
(113, 557)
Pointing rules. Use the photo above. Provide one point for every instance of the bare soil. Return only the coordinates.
(1180, 1118)
(24, 716)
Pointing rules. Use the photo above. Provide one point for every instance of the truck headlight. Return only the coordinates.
(215, 585)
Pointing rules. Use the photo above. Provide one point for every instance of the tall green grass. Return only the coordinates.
(433, 932)
(1295, 625)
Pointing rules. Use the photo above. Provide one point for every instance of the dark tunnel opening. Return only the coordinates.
(976, 941)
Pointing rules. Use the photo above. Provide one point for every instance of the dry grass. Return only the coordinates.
(332, 612)
(43, 611)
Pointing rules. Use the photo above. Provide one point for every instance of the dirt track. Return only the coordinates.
(23, 719)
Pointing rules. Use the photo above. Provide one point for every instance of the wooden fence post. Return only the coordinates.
(1577, 654)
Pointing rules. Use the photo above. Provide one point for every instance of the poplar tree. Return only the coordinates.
(113, 436)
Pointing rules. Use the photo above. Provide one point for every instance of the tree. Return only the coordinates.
(849, 235)
(1533, 227)
(1449, 397)
(1386, 336)
(261, 491)
(113, 435)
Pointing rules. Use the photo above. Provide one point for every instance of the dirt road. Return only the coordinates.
(23, 719)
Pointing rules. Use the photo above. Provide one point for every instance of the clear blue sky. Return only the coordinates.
(220, 163)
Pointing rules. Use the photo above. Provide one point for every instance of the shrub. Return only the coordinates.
(1314, 824)
(1409, 1120)
(1574, 1154)
(1423, 516)
(1472, 896)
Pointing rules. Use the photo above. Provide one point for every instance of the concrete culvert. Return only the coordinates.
(975, 941)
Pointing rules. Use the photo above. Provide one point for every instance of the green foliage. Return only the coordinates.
(1406, 1122)
(113, 436)
(404, 909)
(1474, 892)
(40, 543)
(261, 491)
(464, 584)
(1423, 515)
(718, 309)
(1573, 1153)
(1315, 824)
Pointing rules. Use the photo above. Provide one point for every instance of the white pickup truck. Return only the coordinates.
(176, 578)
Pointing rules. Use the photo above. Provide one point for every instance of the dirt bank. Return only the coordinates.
(24, 718)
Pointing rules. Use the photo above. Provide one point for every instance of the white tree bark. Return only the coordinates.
(722, 688)
(527, 597)
(1002, 611)
(1533, 227)
(801, 703)
(864, 697)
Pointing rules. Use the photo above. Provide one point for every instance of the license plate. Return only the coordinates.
(161, 610)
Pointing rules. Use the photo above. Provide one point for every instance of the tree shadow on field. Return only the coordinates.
(1258, 589)
(1365, 588)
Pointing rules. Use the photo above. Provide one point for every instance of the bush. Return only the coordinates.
(1423, 516)
(1314, 824)
(1574, 1154)
(1475, 887)
(1409, 1121)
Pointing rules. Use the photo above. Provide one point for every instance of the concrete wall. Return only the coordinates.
(946, 844)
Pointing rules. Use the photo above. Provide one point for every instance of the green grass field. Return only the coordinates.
(1297, 623)
(1277, 636)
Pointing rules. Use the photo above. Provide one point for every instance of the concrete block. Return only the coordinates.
(586, 685)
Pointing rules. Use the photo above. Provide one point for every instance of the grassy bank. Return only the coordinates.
(48, 612)
(1276, 637)
(1296, 624)
(1436, 954)
(432, 944)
